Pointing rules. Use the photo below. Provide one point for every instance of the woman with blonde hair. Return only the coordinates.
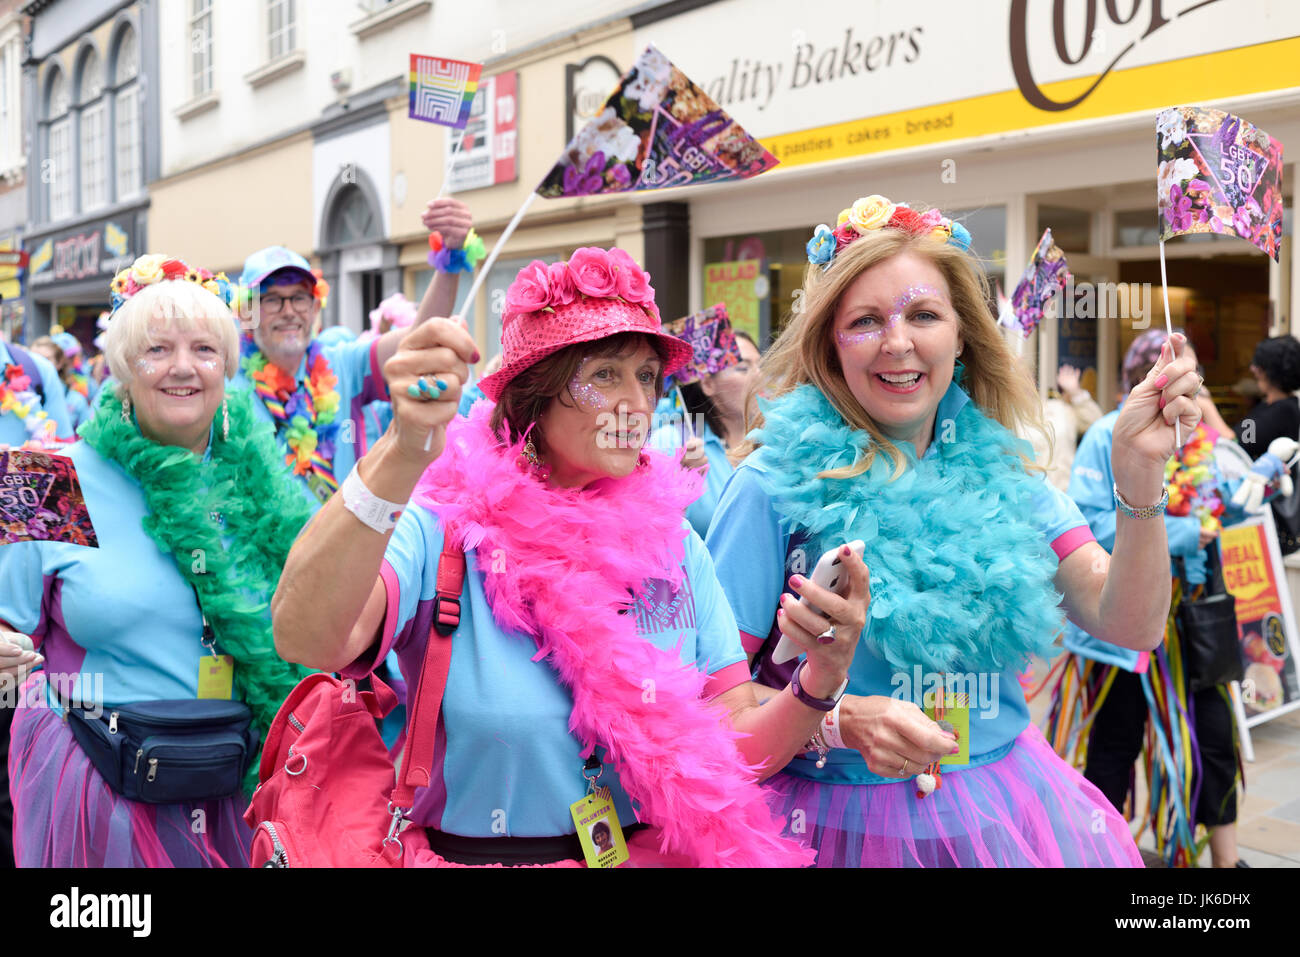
(890, 418)
(160, 672)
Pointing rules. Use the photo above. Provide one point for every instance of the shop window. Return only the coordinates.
(988, 229)
(200, 47)
(1071, 228)
(756, 276)
(126, 115)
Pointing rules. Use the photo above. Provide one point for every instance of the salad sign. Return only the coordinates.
(41, 500)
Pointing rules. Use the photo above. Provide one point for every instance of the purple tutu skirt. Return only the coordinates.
(1027, 809)
(65, 815)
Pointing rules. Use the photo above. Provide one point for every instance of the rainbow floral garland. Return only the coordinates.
(19, 397)
(1194, 482)
(156, 267)
(871, 213)
(304, 414)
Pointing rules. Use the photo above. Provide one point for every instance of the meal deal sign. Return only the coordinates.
(1254, 574)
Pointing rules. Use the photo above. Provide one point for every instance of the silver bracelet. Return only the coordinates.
(1146, 511)
(371, 510)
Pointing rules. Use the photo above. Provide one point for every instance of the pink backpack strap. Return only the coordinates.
(422, 723)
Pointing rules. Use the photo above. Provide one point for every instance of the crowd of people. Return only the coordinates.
(271, 499)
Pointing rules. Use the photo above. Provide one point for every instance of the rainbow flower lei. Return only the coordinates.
(304, 414)
(19, 397)
(1193, 481)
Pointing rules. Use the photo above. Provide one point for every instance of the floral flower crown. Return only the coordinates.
(155, 268)
(871, 213)
(591, 272)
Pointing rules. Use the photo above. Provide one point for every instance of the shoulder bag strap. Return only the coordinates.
(422, 722)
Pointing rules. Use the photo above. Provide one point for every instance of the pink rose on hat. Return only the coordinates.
(531, 289)
(633, 281)
(593, 273)
(563, 291)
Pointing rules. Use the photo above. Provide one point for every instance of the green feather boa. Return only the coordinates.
(245, 482)
(961, 576)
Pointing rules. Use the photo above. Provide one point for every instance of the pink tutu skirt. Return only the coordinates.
(1027, 809)
(66, 816)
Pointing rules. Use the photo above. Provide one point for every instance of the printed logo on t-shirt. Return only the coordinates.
(661, 609)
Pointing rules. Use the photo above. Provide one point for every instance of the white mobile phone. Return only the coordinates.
(829, 574)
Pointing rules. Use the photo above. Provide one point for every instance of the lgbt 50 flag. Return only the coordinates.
(442, 90)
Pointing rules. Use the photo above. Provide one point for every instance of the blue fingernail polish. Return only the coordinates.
(413, 391)
(442, 386)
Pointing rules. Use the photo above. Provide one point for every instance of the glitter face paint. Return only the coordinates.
(587, 395)
(896, 315)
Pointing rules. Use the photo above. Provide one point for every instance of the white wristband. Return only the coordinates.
(373, 511)
(831, 727)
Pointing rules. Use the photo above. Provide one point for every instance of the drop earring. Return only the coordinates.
(534, 460)
(126, 408)
(225, 422)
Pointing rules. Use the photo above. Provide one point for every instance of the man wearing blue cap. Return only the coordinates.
(313, 390)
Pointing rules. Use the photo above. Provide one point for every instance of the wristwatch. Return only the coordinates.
(820, 704)
(1146, 511)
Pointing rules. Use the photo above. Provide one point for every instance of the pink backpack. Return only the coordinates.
(329, 795)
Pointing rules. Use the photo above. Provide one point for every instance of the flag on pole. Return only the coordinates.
(712, 341)
(1218, 173)
(1043, 279)
(442, 91)
(41, 500)
(657, 129)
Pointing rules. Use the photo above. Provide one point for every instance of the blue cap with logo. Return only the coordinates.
(274, 259)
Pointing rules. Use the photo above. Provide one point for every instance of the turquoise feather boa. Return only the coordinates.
(961, 576)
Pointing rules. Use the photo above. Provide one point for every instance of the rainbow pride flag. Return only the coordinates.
(442, 91)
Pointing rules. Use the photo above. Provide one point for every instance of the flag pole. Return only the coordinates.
(451, 162)
(499, 245)
(1169, 331)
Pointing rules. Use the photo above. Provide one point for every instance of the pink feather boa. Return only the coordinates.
(573, 556)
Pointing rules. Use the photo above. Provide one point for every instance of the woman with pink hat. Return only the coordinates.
(593, 637)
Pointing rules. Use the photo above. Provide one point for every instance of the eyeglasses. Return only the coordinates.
(272, 304)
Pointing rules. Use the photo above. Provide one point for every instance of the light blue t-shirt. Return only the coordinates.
(120, 617)
(673, 436)
(752, 550)
(510, 766)
(12, 429)
(78, 408)
(1092, 488)
(360, 382)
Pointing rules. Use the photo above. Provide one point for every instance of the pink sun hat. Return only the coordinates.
(597, 293)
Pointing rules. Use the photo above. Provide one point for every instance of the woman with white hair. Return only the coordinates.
(160, 672)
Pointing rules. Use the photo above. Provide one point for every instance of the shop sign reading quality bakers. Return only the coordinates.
(865, 78)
